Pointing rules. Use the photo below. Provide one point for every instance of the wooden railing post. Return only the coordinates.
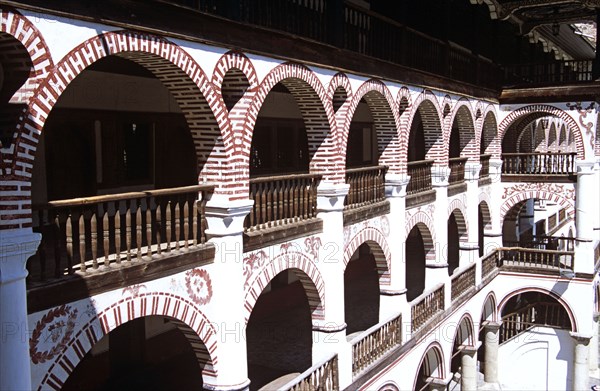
(92, 229)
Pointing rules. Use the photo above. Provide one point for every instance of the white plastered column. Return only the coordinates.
(596, 212)
(580, 361)
(492, 343)
(329, 335)
(393, 298)
(16, 246)
(468, 368)
(593, 358)
(469, 251)
(585, 206)
(437, 270)
(492, 236)
(225, 221)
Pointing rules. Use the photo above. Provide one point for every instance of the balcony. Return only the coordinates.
(321, 376)
(378, 340)
(366, 197)
(538, 261)
(538, 167)
(462, 283)
(456, 181)
(131, 234)
(285, 207)
(484, 172)
(362, 31)
(427, 307)
(549, 73)
(419, 190)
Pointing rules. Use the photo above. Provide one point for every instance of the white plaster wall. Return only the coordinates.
(540, 359)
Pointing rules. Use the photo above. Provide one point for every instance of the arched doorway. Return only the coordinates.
(415, 252)
(279, 331)
(535, 330)
(361, 291)
(148, 353)
(431, 369)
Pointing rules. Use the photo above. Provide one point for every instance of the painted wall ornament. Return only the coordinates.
(53, 331)
(583, 112)
(199, 286)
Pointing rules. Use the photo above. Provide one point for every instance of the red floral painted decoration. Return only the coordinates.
(58, 321)
(199, 286)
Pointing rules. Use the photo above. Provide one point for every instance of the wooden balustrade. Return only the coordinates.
(378, 341)
(562, 214)
(489, 264)
(543, 243)
(484, 172)
(538, 314)
(536, 258)
(85, 234)
(323, 376)
(457, 170)
(420, 176)
(426, 307)
(552, 221)
(351, 27)
(555, 72)
(462, 283)
(549, 163)
(282, 200)
(367, 186)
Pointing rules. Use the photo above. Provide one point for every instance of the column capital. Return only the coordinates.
(393, 292)
(468, 246)
(16, 246)
(435, 265)
(470, 349)
(585, 167)
(492, 234)
(582, 339)
(440, 176)
(472, 171)
(395, 185)
(330, 196)
(437, 384)
(492, 326)
(225, 217)
(328, 326)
